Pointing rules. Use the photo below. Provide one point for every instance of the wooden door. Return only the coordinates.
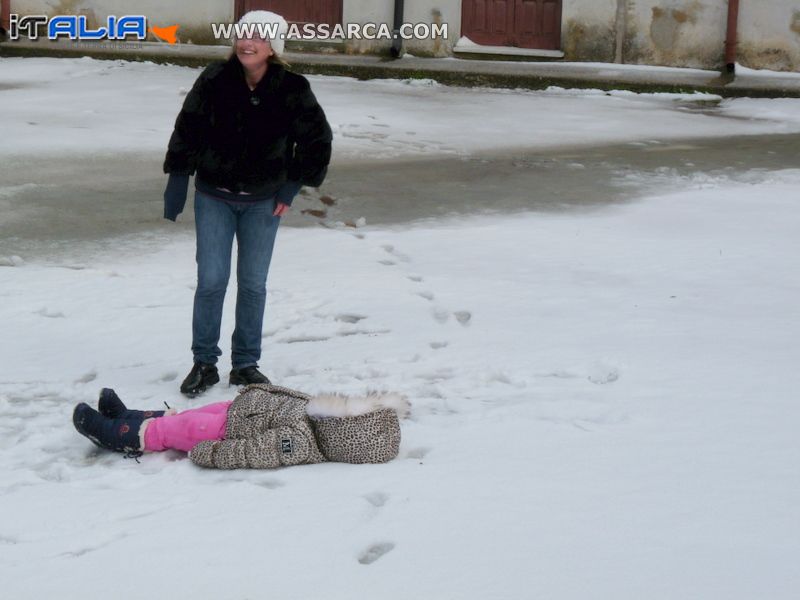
(487, 22)
(296, 11)
(518, 23)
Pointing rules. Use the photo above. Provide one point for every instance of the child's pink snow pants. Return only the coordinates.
(185, 430)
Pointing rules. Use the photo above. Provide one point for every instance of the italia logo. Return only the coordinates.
(124, 429)
(76, 27)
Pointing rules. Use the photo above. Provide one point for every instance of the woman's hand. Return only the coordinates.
(280, 209)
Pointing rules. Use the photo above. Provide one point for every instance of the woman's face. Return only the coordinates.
(253, 52)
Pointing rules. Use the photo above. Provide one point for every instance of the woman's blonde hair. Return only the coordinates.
(277, 60)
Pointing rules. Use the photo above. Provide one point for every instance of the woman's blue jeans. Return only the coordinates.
(217, 222)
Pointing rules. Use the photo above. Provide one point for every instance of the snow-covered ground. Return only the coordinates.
(604, 401)
(52, 106)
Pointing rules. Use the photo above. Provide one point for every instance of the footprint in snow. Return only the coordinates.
(349, 318)
(304, 338)
(503, 378)
(368, 332)
(440, 315)
(377, 499)
(561, 374)
(270, 484)
(463, 316)
(604, 377)
(427, 295)
(394, 252)
(370, 374)
(87, 377)
(374, 552)
(436, 376)
(418, 453)
(54, 473)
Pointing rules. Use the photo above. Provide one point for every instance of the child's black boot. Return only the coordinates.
(110, 406)
(119, 435)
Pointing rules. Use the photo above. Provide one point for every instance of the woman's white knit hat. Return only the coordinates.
(273, 23)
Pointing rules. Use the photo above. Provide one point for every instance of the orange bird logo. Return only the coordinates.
(166, 34)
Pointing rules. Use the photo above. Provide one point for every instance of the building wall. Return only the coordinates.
(439, 11)
(769, 34)
(588, 30)
(364, 11)
(683, 33)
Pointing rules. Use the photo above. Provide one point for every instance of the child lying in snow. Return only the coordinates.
(266, 426)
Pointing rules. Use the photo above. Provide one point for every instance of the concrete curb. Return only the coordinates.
(448, 71)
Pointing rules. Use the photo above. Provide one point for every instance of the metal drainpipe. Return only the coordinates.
(621, 26)
(397, 42)
(731, 38)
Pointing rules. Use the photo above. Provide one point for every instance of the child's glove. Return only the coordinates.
(203, 454)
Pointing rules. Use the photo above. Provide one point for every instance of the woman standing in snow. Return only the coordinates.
(253, 133)
(263, 428)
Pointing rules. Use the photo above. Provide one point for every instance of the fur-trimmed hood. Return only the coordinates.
(341, 406)
(358, 429)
